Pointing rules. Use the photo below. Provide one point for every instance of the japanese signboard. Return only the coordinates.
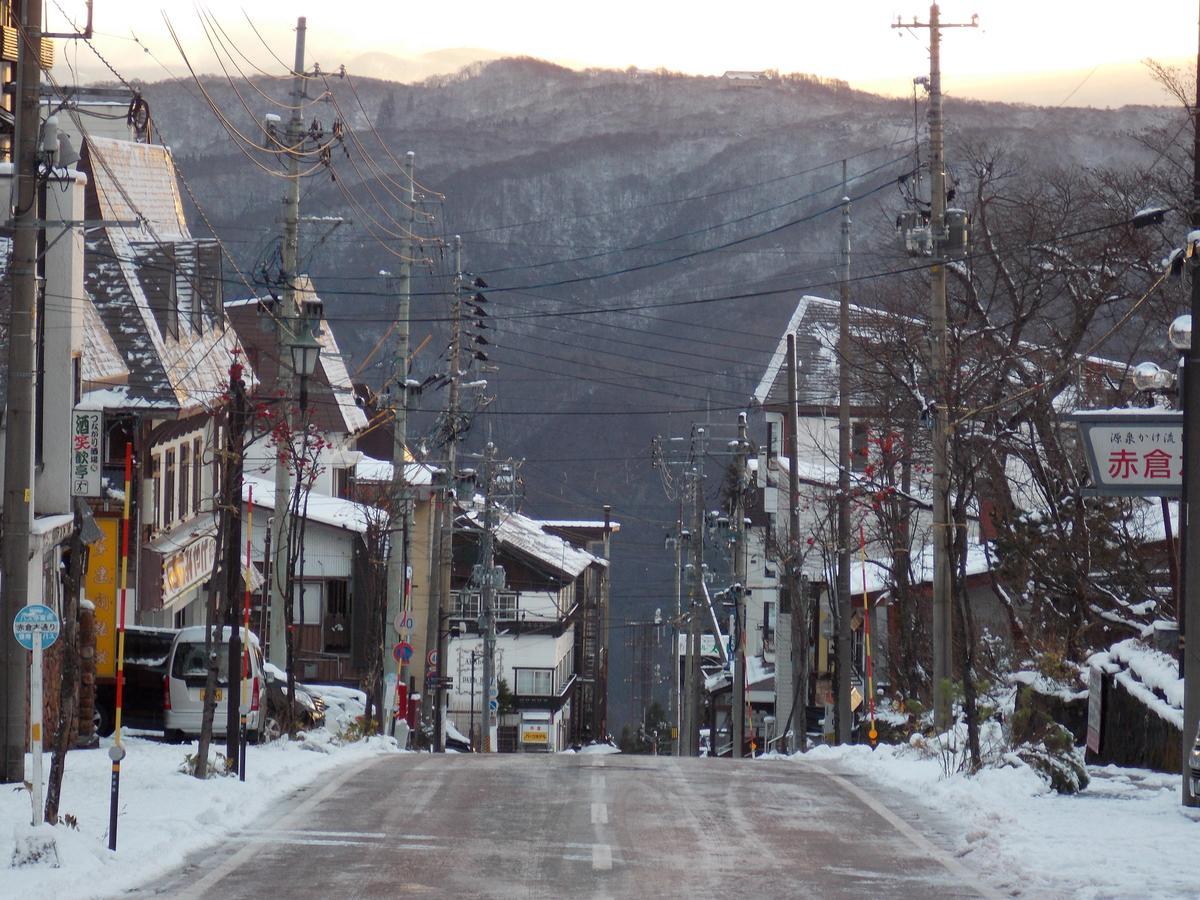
(37, 620)
(1133, 453)
(188, 567)
(85, 453)
(100, 587)
(535, 733)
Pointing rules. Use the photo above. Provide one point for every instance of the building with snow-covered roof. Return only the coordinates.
(550, 584)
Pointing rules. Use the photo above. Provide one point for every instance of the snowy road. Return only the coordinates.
(576, 825)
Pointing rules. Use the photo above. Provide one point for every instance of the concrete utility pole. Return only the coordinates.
(799, 602)
(446, 558)
(943, 534)
(695, 631)
(401, 502)
(843, 714)
(488, 599)
(18, 447)
(232, 501)
(676, 631)
(739, 588)
(285, 330)
(1191, 481)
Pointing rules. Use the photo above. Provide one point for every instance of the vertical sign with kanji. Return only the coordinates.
(85, 453)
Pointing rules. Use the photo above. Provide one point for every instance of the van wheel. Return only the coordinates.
(272, 730)
(102, 720)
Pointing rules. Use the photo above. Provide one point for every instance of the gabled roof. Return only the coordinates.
(368, 468)
(180, 371)
(332, 402)
(525, 535)
(815, 324)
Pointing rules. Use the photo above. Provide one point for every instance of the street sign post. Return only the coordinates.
(36, 627)
(1133, 452)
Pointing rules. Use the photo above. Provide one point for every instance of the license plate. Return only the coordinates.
(220, 694)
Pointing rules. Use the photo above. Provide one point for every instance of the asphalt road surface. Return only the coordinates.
(579, 826)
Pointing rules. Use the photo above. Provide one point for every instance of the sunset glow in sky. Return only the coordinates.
(1021, 50)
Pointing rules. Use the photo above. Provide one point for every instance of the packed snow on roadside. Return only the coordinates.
(1125, 835)
(164, 814)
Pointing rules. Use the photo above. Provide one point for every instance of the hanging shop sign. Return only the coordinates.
(1133, 453)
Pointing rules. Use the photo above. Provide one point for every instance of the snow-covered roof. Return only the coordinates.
(521, 533)
(333, 511)
(185, 367)
(368, 468)
(101, 360)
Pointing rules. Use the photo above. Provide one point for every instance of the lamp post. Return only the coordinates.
(306, 350)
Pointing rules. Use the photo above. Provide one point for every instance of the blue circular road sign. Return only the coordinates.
(36, 619)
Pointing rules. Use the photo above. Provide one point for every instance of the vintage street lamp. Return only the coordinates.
(305, 353)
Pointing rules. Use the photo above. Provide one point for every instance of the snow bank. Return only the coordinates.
(1123, 836)
(164, 814)
(1148, 674)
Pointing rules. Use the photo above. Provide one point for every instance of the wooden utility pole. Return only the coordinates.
(231, 494)
(18, 431)
(843, 714)
(285, 332)
(400, 513)
(943, 535)
(739, 590)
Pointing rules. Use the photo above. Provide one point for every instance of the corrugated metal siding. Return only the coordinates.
(328, 553)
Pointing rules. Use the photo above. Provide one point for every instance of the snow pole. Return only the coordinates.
(117, 751)
(245, 698)
(862, 549)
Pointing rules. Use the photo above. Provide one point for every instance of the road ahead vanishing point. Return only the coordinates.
(577, 826)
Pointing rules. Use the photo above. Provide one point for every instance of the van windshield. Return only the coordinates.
(190, 663)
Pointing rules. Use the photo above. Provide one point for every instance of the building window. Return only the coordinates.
(506, 606)
(535, 682)
(197, 469)
(156, 480)
(168, 494)
(306, 603)
(768, 627)
(336, 626)
(466, 605)
(859, 451)
(343, 482)
(185, 474)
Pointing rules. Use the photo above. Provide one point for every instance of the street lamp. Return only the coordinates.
(305, 352)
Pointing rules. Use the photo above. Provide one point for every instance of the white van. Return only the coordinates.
(186, 675)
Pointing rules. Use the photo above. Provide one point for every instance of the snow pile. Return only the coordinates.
(1123, 836)
(1148, 674)
(164, 814)
(343, 706)
(600, 749)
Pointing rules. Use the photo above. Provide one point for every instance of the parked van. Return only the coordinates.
(186, 677)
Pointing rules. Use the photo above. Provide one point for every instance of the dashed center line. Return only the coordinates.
(601, 857)
(599, 813)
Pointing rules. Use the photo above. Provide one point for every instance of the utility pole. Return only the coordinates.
(401, 502)
(285, 330)
(843, 715)
(446, 558)
(695, 632)
(18, 447)
(676, 631)
(942, 532)
(739, 591)
(1191, 481)
(488, 598)
(232, 501)
(796, 595)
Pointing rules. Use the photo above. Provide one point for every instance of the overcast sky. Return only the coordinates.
(1044, 52)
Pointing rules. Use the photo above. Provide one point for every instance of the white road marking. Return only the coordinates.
(199, 889)
(599, 813)
(601, 857)
(598, 783)
(918, 840)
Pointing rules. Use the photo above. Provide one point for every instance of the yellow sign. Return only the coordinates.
(100, 586)
(220, 694)
(535, 734)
